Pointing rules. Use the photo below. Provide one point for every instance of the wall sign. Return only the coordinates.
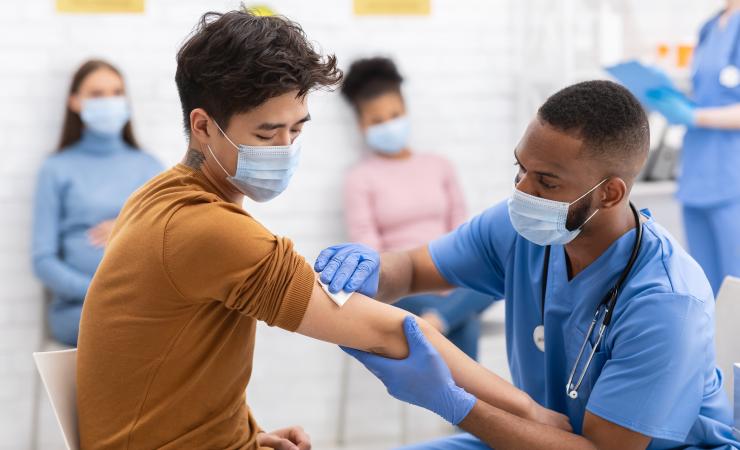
(100, 6)
(392, 7)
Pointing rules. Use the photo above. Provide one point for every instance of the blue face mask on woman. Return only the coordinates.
(262, 172)
(542, 221)
(389, 137)
(105, 115)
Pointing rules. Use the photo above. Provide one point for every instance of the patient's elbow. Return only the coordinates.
(395, 344)
(392, 343)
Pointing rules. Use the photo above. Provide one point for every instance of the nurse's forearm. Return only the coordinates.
(409, 272)
(726, 118)
(396, 272)
(503, 430)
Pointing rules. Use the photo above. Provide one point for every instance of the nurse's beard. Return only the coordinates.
(579, 213)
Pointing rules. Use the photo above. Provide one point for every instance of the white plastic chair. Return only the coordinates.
(58, 370)
(736, 427)
(727, 320)
(46, 344)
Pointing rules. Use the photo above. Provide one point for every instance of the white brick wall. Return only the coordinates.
(458, 63)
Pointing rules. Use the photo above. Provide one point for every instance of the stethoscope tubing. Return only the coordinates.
(608, 303)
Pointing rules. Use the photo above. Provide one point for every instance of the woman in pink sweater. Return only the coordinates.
(396, 199)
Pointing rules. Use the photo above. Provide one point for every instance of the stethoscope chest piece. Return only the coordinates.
(538, 336)
(729, 77)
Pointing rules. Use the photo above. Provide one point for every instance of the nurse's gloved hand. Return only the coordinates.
(672, 106)
(349, 267)
(422, 378)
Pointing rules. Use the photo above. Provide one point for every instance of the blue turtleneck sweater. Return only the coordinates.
(77, 189)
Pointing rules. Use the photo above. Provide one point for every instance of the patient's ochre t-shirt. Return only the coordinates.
(168, 325)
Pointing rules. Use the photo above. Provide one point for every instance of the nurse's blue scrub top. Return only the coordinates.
(655, 371)
(710, 172)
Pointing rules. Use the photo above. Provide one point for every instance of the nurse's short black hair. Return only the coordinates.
(369, 78)
(235, 61)
(608, 119)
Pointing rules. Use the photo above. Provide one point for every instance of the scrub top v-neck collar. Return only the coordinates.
(597, 277)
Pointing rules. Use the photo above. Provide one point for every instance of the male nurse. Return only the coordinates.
(608, 319)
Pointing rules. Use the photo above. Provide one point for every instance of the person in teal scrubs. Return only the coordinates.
(565, 244)
(709, 183)
(81, 189)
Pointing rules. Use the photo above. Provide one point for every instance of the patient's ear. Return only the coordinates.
(199, 126)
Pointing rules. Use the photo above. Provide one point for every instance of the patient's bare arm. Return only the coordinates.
(372, 326)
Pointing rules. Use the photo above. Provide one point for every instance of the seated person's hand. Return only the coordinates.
(349, 267)
(292, 438)
(100, 233)
(422, 378)
(434, 319)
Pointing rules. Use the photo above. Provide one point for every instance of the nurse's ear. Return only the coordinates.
(612, 192)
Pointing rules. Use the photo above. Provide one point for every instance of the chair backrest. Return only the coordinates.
(727, 321)
(736, 427)
(58, 370)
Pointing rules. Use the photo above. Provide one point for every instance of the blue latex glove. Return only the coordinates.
(672, 106)
(422, 379)
(349, 267)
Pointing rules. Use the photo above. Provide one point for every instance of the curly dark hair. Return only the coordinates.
(369, 78)
(608, 119)
(235, 61)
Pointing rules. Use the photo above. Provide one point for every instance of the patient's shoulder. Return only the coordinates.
(206, 215)
(216, 233)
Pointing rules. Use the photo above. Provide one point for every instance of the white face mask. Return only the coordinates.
(542, 221)
(105, 115)
(262, 172)
(389, 137)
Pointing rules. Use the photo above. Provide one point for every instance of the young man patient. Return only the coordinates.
(168, 328)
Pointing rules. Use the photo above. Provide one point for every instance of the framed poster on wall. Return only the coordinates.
(392, 7)
(100, 6)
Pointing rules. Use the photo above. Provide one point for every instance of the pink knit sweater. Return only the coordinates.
(397, 204)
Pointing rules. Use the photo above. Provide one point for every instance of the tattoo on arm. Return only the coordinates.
(194, 158)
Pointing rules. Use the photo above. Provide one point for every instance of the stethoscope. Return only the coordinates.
(729, 76)
(604, 312)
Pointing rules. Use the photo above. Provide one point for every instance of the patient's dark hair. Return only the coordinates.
(235, 61)
(369, 78)
(608, 119)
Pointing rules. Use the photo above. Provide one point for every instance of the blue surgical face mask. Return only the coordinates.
(542, 221)
(389, 137)
(262, 172)
(105, 115)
